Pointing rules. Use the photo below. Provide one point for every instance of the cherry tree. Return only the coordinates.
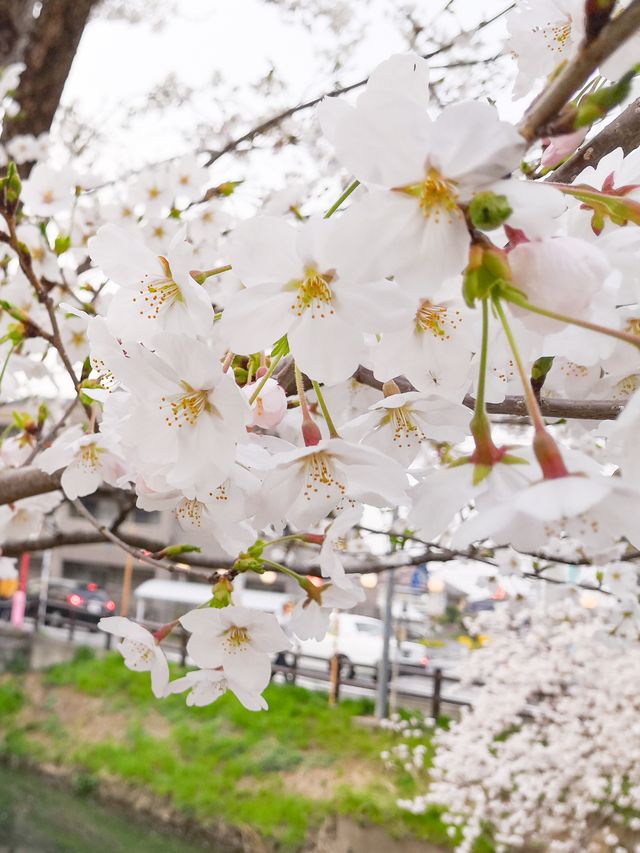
(267, 377)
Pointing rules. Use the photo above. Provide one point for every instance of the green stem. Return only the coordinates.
(263, 380)
(293, 537)
(6, 362)
(484, 348)
(333, 432)
(286, 571)
(345, 195)
(486, 453)
(530, 398)
(545, 448)
(628, 338)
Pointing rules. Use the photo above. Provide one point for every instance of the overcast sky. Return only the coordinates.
(119, 62)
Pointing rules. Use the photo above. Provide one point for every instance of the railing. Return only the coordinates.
(296, 665)
(333, 675)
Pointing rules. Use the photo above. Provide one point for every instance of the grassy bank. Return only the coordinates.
(280, 772)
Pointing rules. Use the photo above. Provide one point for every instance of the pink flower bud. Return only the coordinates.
(311, 433)
(270, 405)
(558, 148)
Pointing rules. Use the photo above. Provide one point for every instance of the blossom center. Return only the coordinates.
(237, 637)
(158, 292)
(404, 428)
(438, 320)
(186, 408)
(314, 293)
(88, 457)
(435, 194)
(190, 511)
(321, 478)
(136, 655)
(556, 36)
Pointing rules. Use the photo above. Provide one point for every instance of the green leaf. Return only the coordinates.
(62, 244)
(541, 366)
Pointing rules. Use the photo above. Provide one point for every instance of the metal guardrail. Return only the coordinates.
(292, 666)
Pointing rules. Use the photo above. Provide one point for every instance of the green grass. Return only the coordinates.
(11, 698)
(223, 760)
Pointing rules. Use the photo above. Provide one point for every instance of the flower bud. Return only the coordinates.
(488, 210)
(311, 433)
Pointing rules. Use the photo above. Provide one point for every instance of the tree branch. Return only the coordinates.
(590, 55)
(18, 483)
(593, 410)
(623, 132)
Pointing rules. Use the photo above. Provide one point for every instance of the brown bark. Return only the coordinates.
(18, 483)
(48, 56)
(16, 20)
(623, 132)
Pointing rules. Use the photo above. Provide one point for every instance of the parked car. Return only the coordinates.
(86, 602)
(358, 640)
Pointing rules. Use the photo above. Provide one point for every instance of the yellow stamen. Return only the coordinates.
(313, 292)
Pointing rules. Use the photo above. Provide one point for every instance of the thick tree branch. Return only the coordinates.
(623, 132)
(592, 410)
(590, 55)
(18, 483)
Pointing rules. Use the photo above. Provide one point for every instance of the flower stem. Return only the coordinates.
(6, 363)
(202, 275)
(304, 404)
(333, 432)
(263, 380)
(486, 453)
(544, 446)
(522, 302)
(293, 537)
(345, 195)
(286, 571)
(484, 348)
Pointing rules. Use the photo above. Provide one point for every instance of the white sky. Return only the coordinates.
(119, 62)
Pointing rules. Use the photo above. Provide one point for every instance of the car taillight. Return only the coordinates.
(424, 661)
(92, 587)
(110, 605)
(75, 600)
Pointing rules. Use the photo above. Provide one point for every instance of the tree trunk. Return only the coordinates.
(16, 20)
(49, 52)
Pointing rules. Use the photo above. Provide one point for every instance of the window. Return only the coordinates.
(369, 628)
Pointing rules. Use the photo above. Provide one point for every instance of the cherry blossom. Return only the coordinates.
(305, 484)
(237, 639)
(140, 651)
(308, 286)
(157, 293)
(207, 685)
(400, 424)
(88, 461)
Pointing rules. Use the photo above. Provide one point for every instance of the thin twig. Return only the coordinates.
(142, 554)
(274, 121)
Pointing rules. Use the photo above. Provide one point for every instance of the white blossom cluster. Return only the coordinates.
(549, 754)
(217, 357)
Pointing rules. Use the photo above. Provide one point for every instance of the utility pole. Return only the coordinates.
(382, 696)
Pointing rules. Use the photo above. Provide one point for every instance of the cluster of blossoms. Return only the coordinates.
(548, 755)
(218, 360)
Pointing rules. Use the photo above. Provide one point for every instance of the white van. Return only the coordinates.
(358, 640)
